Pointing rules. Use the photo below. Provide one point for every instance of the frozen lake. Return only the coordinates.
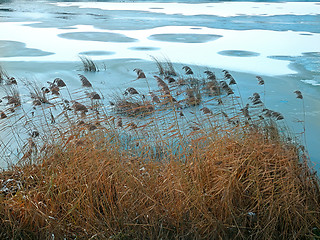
(242, 36)
(42, 40)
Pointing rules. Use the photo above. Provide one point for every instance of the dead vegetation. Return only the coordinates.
(183, 162)
(88, 64)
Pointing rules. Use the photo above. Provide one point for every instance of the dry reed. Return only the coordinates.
(218, 173)
(88, 64)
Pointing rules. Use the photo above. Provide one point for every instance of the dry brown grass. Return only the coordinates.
(238, 185)
(215, 174)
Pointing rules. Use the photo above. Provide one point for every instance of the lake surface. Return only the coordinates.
(41, 40)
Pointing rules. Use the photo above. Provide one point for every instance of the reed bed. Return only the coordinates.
(211, 170)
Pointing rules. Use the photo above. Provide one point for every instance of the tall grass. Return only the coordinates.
(177, 172)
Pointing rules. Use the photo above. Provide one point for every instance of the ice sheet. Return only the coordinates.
(223, 9)
(67, 44)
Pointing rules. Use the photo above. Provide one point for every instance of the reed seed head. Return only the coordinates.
(85, 82)
(59, 82)
(260, 80)
(12, 81)
(2, 115)
(169, 79)
(119, 122)
(299, 94)
(187, 70)
(78, 107)
(131, 90)
(232, 81)
(206, 110)
(93, 95)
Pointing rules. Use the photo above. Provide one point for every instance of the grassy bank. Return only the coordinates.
(188, 160)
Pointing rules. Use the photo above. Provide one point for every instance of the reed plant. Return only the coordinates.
(181, 171)
(165, 66)
(88, 64)
(3, 75)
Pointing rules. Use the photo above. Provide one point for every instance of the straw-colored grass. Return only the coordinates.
(209, 174)
(239, 185)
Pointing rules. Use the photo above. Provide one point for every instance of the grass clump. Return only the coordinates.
(182, 172)
(238, 185)
(88, 64)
